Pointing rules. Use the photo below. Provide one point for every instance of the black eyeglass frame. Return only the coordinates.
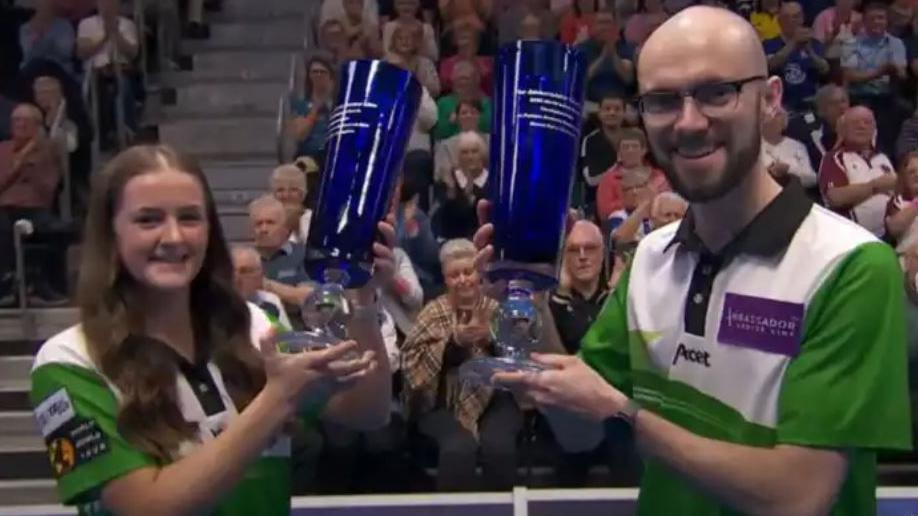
(736, 85)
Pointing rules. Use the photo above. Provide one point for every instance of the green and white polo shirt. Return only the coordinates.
(794, 334)
(76, 409)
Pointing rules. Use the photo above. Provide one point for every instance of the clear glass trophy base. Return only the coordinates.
(479, 371)
(306, 340)
(319, 263)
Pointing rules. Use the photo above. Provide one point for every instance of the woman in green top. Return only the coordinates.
(170, 396)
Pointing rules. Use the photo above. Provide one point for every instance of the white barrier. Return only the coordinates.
(892, 501)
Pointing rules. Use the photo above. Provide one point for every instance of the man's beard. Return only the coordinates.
(741, 159)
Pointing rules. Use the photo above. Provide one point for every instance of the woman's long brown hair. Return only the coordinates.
(110, 311)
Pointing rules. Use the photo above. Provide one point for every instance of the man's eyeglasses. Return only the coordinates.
(713, 99)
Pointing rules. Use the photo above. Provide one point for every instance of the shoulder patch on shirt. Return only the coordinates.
(53, 412)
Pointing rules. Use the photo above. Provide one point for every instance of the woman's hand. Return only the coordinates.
(290, 376)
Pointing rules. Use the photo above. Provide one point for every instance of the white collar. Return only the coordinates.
(462, 180)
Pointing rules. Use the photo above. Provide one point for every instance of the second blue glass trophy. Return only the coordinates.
(538, 111)
(368, 134)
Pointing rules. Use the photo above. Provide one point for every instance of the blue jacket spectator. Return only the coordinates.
(610, 58)
(797, 57)
(47, 36)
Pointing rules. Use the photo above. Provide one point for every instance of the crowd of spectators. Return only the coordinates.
(71, 79)
(848, 125)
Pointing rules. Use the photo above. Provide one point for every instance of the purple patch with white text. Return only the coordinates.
(760, 323)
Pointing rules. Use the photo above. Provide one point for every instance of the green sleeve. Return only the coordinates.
(445, 108)
(77, 413)
(848, 387)
(605, 347)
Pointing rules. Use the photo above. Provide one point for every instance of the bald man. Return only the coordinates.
(757, 348)
(797, 57)
(856, 180)
(580, 293)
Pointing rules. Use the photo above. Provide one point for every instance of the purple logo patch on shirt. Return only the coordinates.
(760, 323)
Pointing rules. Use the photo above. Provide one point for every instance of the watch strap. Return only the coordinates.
(629, 412)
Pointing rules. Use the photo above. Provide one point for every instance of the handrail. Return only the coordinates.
(280, 129)
(291, 75)
(140, 20)
(91, 101)
(21, 228)
(55, 134)
(283, 108)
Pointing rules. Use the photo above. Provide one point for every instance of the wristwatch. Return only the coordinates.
(629, 412)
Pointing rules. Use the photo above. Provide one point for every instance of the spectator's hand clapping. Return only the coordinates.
(778, 169)
(472, 332)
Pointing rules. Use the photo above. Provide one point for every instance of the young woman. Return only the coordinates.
(310, 114)
(160, 400)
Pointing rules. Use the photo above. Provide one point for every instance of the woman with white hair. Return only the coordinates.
(458, 193)
(288, 185)
(464, 420)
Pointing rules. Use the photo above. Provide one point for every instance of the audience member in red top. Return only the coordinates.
(477, 12)
(902, 210)
(467, 40)
(855, 179)
(29, 175)
(632, 151)
(578, 22)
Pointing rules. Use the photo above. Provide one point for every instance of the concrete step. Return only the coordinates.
(216, 136)
(235, 201)
(276, 33)
(24, 458)
(236, 98)
(48, 321)
(14, 395)
(18, 423)
(28, 492)
(242, 10)
(240, 175)
(16, 369)
(242, 64)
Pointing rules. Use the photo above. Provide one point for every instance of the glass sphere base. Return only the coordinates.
(318, 262)
(479, 371)
(307, 340)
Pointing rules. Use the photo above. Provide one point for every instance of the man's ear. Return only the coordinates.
(772, 96)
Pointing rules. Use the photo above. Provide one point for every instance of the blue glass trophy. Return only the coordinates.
(368, 134)
(537, 115)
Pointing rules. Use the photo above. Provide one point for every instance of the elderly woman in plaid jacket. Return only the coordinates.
(465, 421)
